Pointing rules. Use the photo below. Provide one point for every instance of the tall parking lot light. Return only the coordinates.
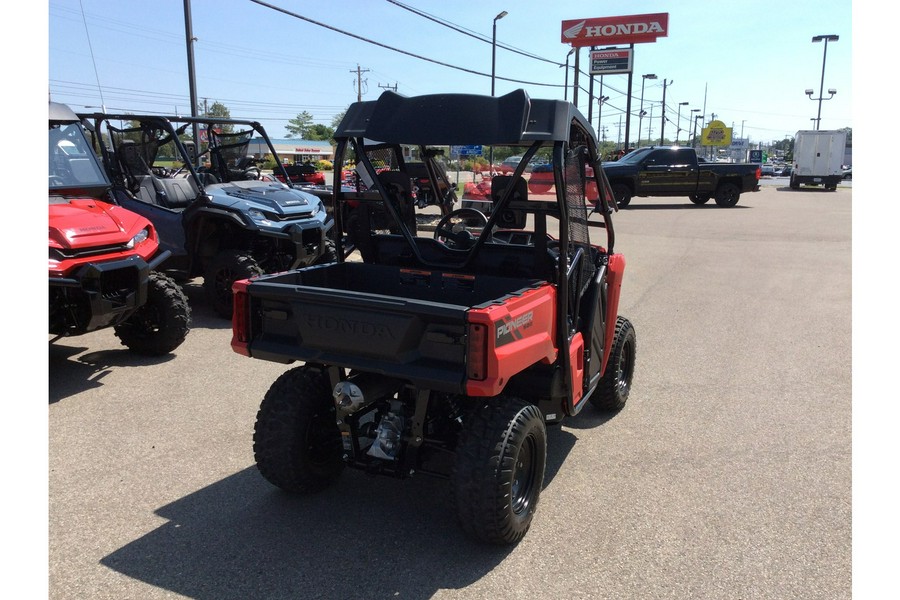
(696, 118)
(493, 73)
(832, 91)
(641, 113)
(494, 50)
(678, 118)
(566, 88)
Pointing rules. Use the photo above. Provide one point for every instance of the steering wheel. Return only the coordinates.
(451, 229)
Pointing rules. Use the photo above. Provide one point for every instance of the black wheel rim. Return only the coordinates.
(524, 477)
(321, 443)
(624, 368)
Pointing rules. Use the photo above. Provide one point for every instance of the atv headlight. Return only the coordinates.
(140, 238)
(258, 216)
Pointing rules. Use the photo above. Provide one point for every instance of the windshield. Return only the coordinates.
(635, 156)
(72, 162)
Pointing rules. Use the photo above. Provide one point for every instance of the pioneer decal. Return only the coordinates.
(512, 329)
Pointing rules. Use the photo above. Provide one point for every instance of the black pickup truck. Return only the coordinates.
(676, 171)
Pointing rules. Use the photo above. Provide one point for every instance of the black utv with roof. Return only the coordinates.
(215, 212)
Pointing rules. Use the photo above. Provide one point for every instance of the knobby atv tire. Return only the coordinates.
(329, 253)
(615, 385)
(296, 441)
(727, 195)
(622, 194)
(499, 470)
(160, 325)
(223, 270)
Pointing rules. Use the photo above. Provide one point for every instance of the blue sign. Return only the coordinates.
(756, 156)
(466, 150)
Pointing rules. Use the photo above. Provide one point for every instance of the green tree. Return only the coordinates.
(319, 132)
(300, 126)
(217, 109)
(338, 118)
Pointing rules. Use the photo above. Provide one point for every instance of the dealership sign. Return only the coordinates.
(611, 61)
(632, 29)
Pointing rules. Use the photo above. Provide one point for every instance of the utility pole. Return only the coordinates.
(359, 82)
(662, 126)
(388, 86)
(192, 78)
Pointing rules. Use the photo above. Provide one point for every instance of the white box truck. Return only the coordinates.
(818, 158)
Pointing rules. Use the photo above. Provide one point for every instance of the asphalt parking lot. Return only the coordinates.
(727, 475)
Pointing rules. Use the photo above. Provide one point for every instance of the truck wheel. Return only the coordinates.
(499, 470)
(615, 385)
(296, 441)
(699, 198)
(727, 195)
(223, 270)
(622, 194)
(160, 325)
(795, 184)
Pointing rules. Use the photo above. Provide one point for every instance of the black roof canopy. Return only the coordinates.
(460, 119)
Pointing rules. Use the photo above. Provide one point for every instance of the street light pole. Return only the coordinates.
(696, 117)
(566, 91)
(644, 79)
(494, 73)
(678, 118)
(819, 38)
(494, 50)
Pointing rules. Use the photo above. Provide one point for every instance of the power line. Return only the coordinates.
(385, 46)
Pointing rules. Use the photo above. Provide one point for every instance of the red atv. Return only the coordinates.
(102, 256)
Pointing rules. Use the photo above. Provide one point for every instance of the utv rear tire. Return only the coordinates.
(223, 270)
(622, 194)
(296, 441)
(615, 385)
(727, 195)
(499, 470)
(160, 325)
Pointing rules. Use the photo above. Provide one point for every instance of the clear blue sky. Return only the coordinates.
(746, 62)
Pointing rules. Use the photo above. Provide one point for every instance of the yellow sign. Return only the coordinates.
(716, 134)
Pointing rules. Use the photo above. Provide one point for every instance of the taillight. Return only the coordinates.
(758, 173)
(476, 360)
(240, 319)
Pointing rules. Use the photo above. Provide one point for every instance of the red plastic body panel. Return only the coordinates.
(520, 332)
(614, 275)
(88, 223)
(576, 366)
(239, 318)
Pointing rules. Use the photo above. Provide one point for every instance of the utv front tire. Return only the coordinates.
(160, 325)
(296, 441)
(615, 385)
(499, 470)
(223, 270)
